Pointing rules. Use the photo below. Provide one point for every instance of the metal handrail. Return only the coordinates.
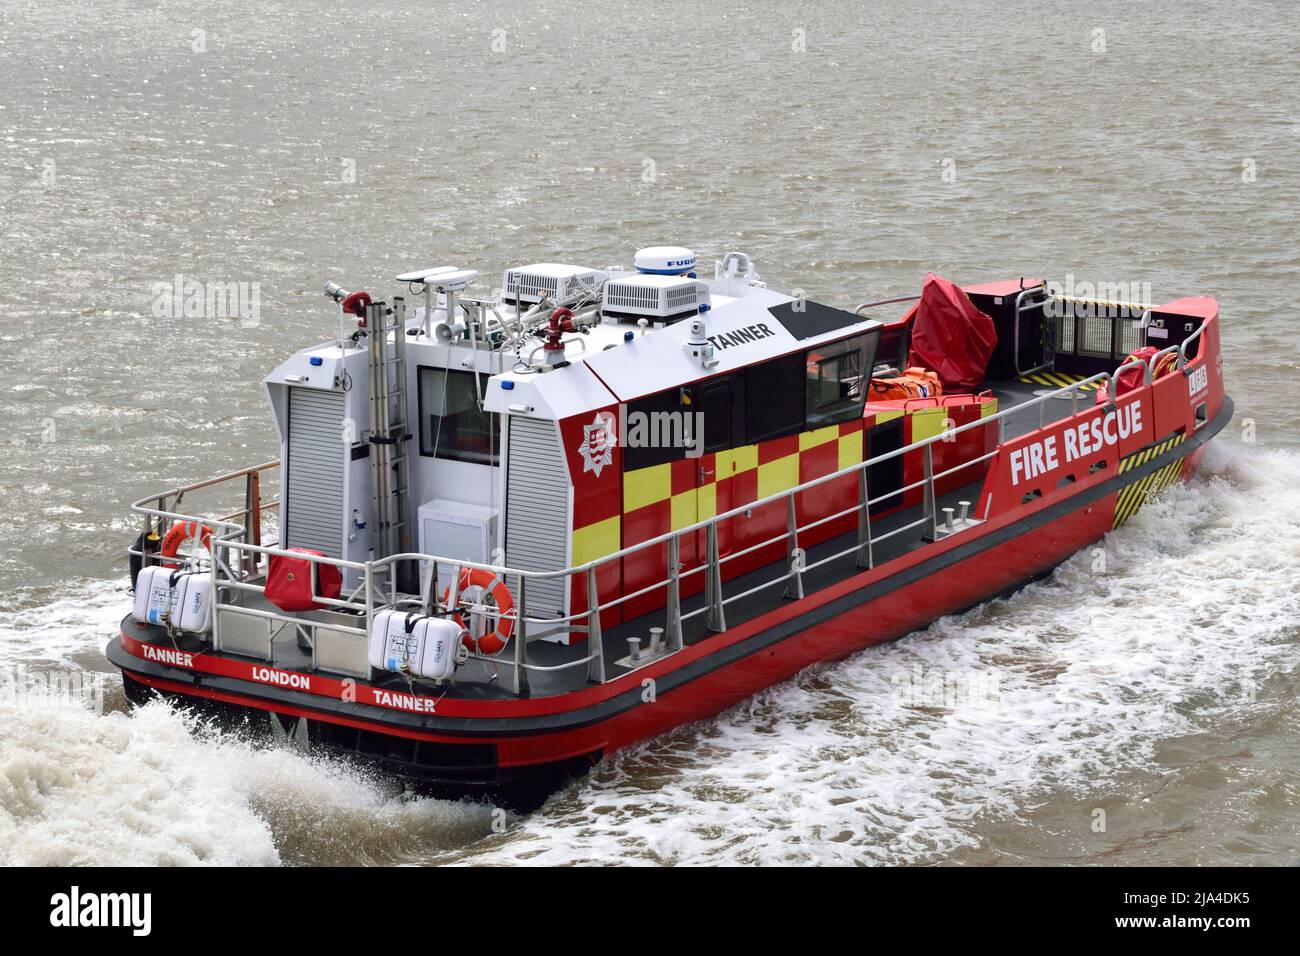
(1180, 350)
(1015, 319)
(1195, 336)
(943, 436)
(1112, 387)
(383, 563)
(227, 537)
(893, 301)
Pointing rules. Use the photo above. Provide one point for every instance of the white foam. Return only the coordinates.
(156, 788)
(57, 625)
(1093, 670)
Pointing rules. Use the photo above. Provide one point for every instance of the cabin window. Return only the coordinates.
(835, 376)
(696, 419)
(452, 425)
(658, 430)
(777, 408)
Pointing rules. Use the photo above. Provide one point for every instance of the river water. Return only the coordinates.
(1140, 713)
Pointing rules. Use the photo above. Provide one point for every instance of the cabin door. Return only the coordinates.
(720, 405)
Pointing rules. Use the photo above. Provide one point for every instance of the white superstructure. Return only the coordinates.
(467, 410)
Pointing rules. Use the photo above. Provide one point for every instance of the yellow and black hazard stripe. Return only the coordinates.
(1139, 458)
(1056, 380)
(1134, 496)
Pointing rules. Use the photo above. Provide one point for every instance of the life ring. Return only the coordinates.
(178, 534)
(494, 641)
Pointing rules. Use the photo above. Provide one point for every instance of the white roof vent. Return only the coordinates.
(658, 297)
(664, 260)
(550, 280)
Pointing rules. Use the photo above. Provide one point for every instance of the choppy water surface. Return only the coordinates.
(352, 141)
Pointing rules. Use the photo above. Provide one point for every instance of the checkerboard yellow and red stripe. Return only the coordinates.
(617, 509)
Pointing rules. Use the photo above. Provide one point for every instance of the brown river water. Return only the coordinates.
(1140, 714)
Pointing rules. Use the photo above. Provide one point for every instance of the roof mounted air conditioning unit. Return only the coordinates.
(655, 297)
(528, 285)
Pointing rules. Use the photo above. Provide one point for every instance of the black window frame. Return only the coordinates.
(770, 419)
(674, 400)
(771, 398)
(638, 457)
(849, 407)
(450, 452)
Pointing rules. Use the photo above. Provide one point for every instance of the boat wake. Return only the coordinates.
(85, 782)
(903, 753)
(157, 787)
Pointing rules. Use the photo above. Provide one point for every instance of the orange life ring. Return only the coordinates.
(178, 534)
(494, 641)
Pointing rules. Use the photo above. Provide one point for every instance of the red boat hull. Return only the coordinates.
(900, 610)
(503, 739)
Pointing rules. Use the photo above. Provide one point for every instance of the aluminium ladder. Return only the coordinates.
(389, 467)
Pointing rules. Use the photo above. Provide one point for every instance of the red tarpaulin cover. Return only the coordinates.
(288, 581)
(950, 336)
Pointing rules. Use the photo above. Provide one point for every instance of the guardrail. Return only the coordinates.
(235, 561)
(379, 590)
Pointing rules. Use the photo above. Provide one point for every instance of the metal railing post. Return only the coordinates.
(932, 527)
(216, 546)
(716, 620)
(596, 668)
(521, 642)
(674, 603)
(453, 590)
(429, 588)
(795, 588)
(865, 558)
(145, 554)
(252, 518)
(370, 604)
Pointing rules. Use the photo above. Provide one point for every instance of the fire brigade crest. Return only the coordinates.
(598, 441)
